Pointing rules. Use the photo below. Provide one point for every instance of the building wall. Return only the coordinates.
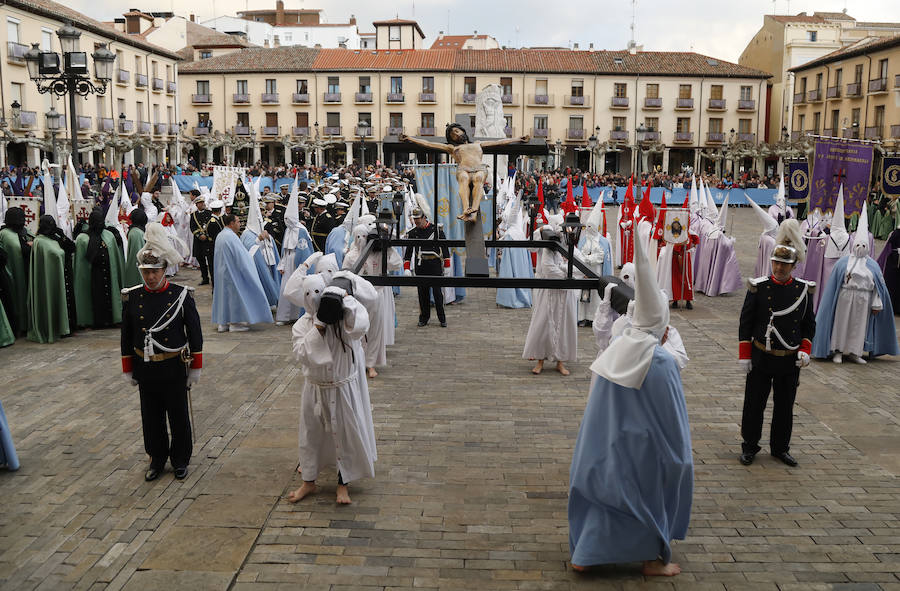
(260, 33)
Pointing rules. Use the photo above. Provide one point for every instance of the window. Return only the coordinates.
(838, 78)
(540, 122)
(302, 87)
(746, 93)
(396, 84)
(333, 119)
(205, 54)
(507, 121)
(395, 119)
(835, 120)
(651, 123)
(16, 93)
(683, 125)
(879, 116)
(744, 125)
(302, 119)
(334, 84)
(288, 38)
(618, 123)
(811, 35)
(428, 120)
(883, 68)
(46, 40)
(716, 92)
(243, 119)
(169, 74)
(120, 105)
(271, 119)
(170, 114)
(819, 81)
(203, 87)
(202, 119)
(365, 118)
(12, 30)
(101, 105)
(394, 33)
(576, 122)
(857, 73)
(154, 68)
(653, 91)
(684, 91)
(138, 65)
(469, 85)
(271, 86)
(817, 119)
(621, 90)
(802, 122)
(540, 87)
(715, 125)
(428, 85)
(241, 87)
(156, 113)
(506, 86)
(854, 117)
(803, 86)
(365, 84)
(577, 87)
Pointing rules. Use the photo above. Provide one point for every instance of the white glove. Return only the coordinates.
(745, 364)
(802, 359)
(336, 290)
(130, 377)
(193, 376)
(407, 273)
(607, 292)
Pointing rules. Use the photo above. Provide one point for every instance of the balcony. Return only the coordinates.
(396, 97)
(363, 130)
(140, 80)
(746, 105)
(171, 87)
(426, 131)
(25, 120)
(509, 99)
(647, 136)
(15, 52)
(393, 131)
(300, 98)
(854, 89)
(144, 127)
(509, 131)
(833, 92)
(300, 131)
(362, 97)
(716, 105)
(814, 96)
(540, 132)
(684, 104)
(160, 128)
(157, 84)
(715, 137)
(617, 135)
(84, 123)
(240, 98)
(241, 130)
(105, 124)
(684, 137)
(583, 102)
(269, 98)
(427, 98)
(331, 130)
(126, 126)
(201, 131)
(746, 137)
(874, 133)
(828, 132)
(201, 99)
(878, 85)
(575, 134)
(851, 133)
(895, 131)
(271, 130)
(123, 77)
(897, 81)
(799, 98)
(465, 98)
(652, 102)
(540, 100)
(331, 97)
(619, 102)
(174, 128)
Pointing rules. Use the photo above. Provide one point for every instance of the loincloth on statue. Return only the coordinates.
(481, 168)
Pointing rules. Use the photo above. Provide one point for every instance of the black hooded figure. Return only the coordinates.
(15, 241)
(98, 256)
(47, 227)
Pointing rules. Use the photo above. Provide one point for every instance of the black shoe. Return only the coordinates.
(747, 458)
(688, 305)
(443, 324)
(786, 458)
(181, 473)
(422, 322)
(675, 304)
(204, 282)
(152, 474)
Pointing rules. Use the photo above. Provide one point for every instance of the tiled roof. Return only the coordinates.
(453, 41)
(837, 16)
(437, 60)
(796, 18)
(199, 36)
(524, 60)
(671, 63)
(868, 45)
(255, 59)
(61, 12)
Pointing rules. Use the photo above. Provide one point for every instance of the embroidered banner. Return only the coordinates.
(798, 185)
(839, 163)
(890, 175)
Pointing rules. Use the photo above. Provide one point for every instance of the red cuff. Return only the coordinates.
(806, 346)
(406, 265)
(197, 362)
(126, 364)
(744, 349)
(447, 263)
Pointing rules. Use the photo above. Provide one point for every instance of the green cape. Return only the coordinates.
(83, 288)
(135, 243)
(9, 241)
(47, 311)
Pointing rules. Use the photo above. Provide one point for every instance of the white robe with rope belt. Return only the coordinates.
(335, 412)
(553, 332)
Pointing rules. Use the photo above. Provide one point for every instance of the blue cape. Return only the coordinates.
(269, 277)
(8, 457)
(335, 242)
(881, 336)
(632, 475)
(238, 294)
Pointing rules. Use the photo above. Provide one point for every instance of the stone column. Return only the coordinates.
(256, 154)
(129, 157)
(601, 166)
(288, 155)
(34, 156)
(665, 163)
(348, 146)
(380, 151)
(209, 154)
(306, 156)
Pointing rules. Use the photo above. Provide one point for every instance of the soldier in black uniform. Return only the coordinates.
(162, 353)
(322, 224)
(274, 221)
(776, 330)
(204, 241)
(428, 262)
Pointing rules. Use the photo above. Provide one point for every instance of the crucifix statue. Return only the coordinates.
(470, 171)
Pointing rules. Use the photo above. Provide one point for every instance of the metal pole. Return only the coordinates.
(70, 87)
(571, 258)
(494, 203)
(437, 158)
(385, 245)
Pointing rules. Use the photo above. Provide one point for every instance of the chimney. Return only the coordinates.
(276, 42)
(575, 46)
(192, 19)
(279, 13)
(352, 19)
(591, 47)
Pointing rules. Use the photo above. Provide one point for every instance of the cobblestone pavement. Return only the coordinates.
(472, 470)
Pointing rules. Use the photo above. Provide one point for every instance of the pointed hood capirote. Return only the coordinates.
(861, 240)
(770, 224)
(838, 235)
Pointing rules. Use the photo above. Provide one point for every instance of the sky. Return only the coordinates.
(718, 28)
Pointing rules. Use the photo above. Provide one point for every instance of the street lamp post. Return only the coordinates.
(54, 121)
(592, 146)
(638, 138)
(558, 154)
(363, 132)
(73, 76)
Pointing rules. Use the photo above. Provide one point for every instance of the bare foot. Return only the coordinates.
(370, 372)
(561, 368)
(343, 495)
(306, 489)
(656, 568)
(538, 368)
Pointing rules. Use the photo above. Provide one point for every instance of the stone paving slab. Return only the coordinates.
(471, 480)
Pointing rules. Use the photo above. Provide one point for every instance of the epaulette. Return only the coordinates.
(811, 285)
(126, 291)
(187, 287)
(754, 282)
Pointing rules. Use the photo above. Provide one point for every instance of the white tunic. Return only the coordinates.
(381, 314)
(335, 412)
(855, 301)
(592, 255)
(553, 332)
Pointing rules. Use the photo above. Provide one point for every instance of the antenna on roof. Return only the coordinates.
(632, 43)
(774, 8)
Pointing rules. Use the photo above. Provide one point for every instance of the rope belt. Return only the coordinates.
(775, 352)
(770, 329)
(319, 396)
(150, 342)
